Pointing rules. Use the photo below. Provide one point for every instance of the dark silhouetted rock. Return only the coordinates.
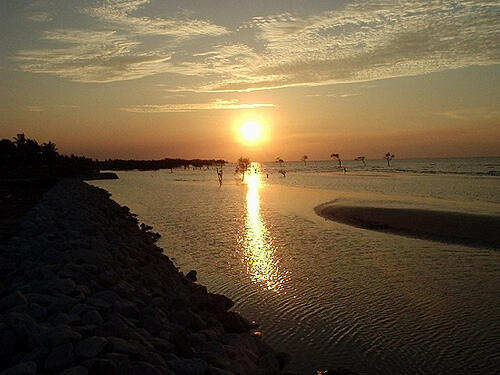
(60, 358)
(102, 367)
(90, 347)
(191, 275)
(25, 368)
(77, 370)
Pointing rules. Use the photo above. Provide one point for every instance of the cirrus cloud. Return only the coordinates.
(193, 107)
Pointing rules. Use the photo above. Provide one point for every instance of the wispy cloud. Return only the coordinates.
(468, 114)
(39, 17)
(120, 14)
(92, 56)
(193, 107)
(372, 40)
(365, 41)
(34, 108)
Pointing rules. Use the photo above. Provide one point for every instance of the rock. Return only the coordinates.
(270, 362)
(109, 278)
(119, 345)
(127, 309)
(62, 334)
(188, 318)
(336, 371)
(234, 322)
(121, 361)
(11, 344)
(108, 296)
(25, 368)
(98, 303)
(22, 324)
(161, 345)
(191, 275)
(37, 355)
(92, 317)
(142, 368)
(60, 358)
(193, 366)
(90, 347)
(65, 286)
(102, 367)
(14, 299)
(77, 370)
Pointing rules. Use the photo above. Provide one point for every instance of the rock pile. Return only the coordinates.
(85, 291)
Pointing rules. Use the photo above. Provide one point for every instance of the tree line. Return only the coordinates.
(25, 157)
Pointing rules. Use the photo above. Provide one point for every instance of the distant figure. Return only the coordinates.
(345, 170)
(267, 175)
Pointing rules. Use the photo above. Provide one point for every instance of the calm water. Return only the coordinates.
(327, 293)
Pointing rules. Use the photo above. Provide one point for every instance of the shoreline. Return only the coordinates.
(83, 289)
(443, 226)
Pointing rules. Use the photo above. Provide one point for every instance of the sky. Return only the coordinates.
(149, 79)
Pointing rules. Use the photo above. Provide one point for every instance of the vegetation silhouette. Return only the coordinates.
(153, 165)
(242, 166)
(362, 159)
(337, 157)
(25, 158)
(389, 157)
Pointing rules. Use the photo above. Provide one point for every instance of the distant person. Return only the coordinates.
(345, 170)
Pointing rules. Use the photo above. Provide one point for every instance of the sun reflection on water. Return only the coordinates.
(258, 249)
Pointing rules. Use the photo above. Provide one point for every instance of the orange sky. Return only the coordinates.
(149, 79)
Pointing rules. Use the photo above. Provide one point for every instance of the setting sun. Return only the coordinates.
(251, 132)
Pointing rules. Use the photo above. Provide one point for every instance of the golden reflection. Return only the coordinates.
(258, 248)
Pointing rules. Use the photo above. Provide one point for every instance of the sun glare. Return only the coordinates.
(251, 132)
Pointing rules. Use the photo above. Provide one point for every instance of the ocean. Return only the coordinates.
(329, 294)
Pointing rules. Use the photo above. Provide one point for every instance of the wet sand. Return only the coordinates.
(445, 226)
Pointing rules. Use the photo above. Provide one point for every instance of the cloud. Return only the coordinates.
(471, 114)
(34, 108)
(193, 107)
(92, 56)
(364, 41)
(40, 17)
(119, 13)
(369, 41)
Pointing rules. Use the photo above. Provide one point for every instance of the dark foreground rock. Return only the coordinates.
(85, 291)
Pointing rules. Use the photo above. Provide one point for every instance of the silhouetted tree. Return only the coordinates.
(220, 171)
(337, 157)
(389, 157)
(20, 142)
(242, 165)
(361, 158)
(49, 152)
(304, 158)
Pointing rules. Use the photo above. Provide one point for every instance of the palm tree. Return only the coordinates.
(49, 151)
(389, 157)
(337, 157)
(280, 161)
(20, 141)
(361, 158)
(304, 158)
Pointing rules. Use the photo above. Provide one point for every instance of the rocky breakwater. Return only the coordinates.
(84, 290)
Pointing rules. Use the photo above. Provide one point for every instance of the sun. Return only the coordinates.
(251, 131)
